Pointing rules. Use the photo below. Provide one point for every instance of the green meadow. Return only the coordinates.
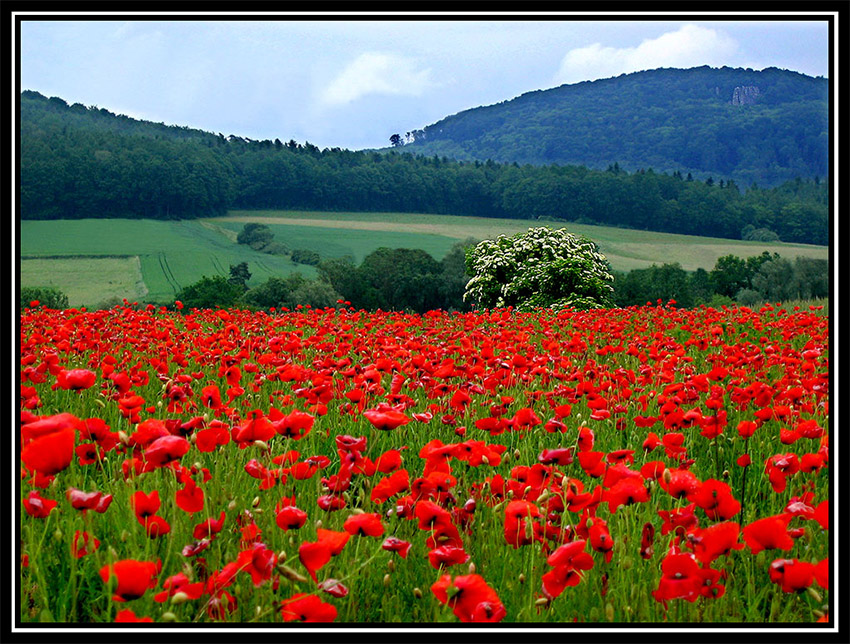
(174, 254)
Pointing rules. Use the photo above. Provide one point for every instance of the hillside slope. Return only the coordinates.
(750, 126)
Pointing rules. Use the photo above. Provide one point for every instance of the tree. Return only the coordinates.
(46, 296)
(210, 292)
(538, 268)
(239, 275)
(396, 141)
(257, 236)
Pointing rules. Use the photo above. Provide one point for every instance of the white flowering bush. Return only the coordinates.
(539, 268)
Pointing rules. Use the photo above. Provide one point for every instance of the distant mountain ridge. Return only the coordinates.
(764, 126)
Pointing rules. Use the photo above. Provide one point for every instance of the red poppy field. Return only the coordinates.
(643, 465)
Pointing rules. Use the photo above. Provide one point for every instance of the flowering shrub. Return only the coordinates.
(541, 268)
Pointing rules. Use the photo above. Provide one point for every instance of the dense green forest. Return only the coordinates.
(749, 126)
(81, 162)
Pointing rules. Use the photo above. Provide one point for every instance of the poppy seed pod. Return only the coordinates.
(179, 598)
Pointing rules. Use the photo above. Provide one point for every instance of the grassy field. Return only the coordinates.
(625, 249)
(87, 280)
(174, 254)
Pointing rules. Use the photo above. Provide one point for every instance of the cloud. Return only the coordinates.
(690, 46)
(376, 73)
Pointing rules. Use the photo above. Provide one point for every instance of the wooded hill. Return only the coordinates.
(749, 126)
(82, 162)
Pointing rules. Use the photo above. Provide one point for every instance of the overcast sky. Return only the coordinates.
(353, 83)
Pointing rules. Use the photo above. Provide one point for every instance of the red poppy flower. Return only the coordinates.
(446, 556)
(307, 608)
(394, 544)
(155, 526)
(715, 541)
(366, 525)
(133, 577)
(258, 561)
(49, 454)
(625, 492)
(715, 498)
(472, 600)
(296, 425)
(386, 420)
(166, 450)
(76, 379)
(680, 579)
(83, 501)
(190, 498)
(769, 533)
(334, 588)
(38, 507)
(290, 518)
(145, 505)
(208, 528)
(128, 616)
(792, 575)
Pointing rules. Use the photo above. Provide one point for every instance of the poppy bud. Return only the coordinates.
(543, 601)
(521, 578)
(98, 401)
(471, 569)
(391, 566)
(57, 535)
(387, 579)
(594, 614)
(255, 502)
(291, 574)
(206, 417)
(281, 556)
(123, 438)
(667, 476)
(543, 496)
(193, 438)
(262, 445)
(54, 484)
(417, 593)
(232, 505)
(814, 594)
(168, 617)
(318, 523)
(347, 497)
(179, 598)
(485, 460)
(358, 511)
(725, 474)
(627, 563)
(818, 613)
(159, 404)
(291, 542)
(124, 536)
(609, 612)
(517, 454)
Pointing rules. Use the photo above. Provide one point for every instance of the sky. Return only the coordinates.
(352, 83)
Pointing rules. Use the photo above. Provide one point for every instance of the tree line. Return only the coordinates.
(79, 162)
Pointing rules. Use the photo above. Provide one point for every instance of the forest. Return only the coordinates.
(86, 162)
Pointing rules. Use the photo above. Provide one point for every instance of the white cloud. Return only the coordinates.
(690, 46)
(377, 73)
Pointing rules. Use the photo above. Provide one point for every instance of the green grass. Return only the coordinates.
(87, 280)
(625, 249)
(174, 254)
